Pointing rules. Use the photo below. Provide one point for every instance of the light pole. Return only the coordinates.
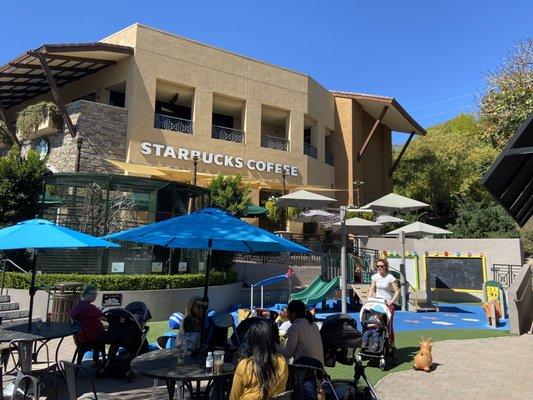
(358, 184)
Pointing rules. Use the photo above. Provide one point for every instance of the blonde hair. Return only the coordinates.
(384, 262)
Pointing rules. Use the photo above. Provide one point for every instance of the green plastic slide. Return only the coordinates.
(317, 291)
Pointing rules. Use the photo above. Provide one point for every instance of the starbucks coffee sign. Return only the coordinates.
(180, 153)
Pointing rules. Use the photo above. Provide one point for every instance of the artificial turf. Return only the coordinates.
(406, 342)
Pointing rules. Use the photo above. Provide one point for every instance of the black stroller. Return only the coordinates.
(126, 336)
(340, 339)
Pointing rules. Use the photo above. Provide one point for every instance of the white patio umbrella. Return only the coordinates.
(395, 202)
(319, 216)
(419, 229)
(360, 226)
(388, 219)
(305, 200)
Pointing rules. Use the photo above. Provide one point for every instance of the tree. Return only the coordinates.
(21, 180)
(230, 194)
(508, 99)
(445, 166)
(483, 219)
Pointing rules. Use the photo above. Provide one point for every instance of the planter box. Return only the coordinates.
(45, 128)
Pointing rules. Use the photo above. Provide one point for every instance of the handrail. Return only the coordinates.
(5, 260)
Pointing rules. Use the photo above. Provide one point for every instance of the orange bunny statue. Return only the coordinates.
(423, 358)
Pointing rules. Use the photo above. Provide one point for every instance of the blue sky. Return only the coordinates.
(430, 55)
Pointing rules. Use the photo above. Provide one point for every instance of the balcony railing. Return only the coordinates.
(310, 150)
(273, 142)
(329, 159)
(172, 123)
(230, 134)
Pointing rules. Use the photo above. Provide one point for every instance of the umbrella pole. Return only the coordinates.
(343, 259)
(403, 285)
(32, 287)
(205, 299)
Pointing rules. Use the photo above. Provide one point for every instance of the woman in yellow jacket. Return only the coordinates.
(261, 372)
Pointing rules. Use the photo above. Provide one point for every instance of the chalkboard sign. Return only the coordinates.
(455, 273)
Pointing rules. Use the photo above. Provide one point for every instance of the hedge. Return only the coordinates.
(19, 280)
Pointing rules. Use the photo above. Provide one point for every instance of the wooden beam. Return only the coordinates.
(56, 95)
(374, 129)
(51, 67)
(79, 59)
(3, 117)
(397, 161)
(16, 76)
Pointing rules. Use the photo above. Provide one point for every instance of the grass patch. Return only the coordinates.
(407, 343)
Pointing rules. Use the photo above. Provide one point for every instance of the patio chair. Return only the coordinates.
(282, 396)
(82, 348)
(70, 370)
(28, 367)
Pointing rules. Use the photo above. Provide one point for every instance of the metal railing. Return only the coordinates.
(273, 142)
(310, 150)
(172, 123)
(225, 133)
(329, 159)
(505, 273)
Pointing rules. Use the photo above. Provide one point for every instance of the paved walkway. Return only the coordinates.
(478, 369)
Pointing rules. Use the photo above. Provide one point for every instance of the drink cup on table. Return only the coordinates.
(218, 356)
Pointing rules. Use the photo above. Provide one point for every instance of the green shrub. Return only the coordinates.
(19, 280)
(28, 119)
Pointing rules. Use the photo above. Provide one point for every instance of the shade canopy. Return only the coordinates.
(360, 226)
(43, 234)
(388, 219)
(420, 229)
(395, 202)
(255, 210)
(303, 199)
(208, 228)
(319, 216)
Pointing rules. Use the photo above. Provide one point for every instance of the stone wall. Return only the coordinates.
(104, 132)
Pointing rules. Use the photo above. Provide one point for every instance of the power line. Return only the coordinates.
(446, 112)
(442, 101)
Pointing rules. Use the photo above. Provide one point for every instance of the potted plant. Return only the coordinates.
(39, 119)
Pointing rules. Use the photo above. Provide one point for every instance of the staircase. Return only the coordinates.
(11, 313)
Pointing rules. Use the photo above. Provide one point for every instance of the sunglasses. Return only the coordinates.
(380, 266)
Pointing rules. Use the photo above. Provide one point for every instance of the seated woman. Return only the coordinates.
(90, 317)
(303, 343)
(261, 372)
(192, 323)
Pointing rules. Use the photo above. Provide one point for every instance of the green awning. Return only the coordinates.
(255, 210)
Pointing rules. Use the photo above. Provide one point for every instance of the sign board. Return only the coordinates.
(157, 266)
(112, 300)
(182, 266)
(456, 273)
(201, 266)
(411, 269)
(117, 267)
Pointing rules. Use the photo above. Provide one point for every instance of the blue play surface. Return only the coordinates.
(449, 316)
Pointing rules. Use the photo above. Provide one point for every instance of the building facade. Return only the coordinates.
(152, 103)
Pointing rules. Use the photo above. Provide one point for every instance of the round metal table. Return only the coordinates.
(162, 365)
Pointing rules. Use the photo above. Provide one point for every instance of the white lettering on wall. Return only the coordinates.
(160, 150)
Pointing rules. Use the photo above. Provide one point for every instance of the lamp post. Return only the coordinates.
(358, 184)
(79, 145)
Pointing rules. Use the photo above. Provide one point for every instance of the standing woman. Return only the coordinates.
(384, 286)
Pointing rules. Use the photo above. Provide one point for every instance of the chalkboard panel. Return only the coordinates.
(455, 273)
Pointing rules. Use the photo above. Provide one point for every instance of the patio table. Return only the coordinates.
(162, 365)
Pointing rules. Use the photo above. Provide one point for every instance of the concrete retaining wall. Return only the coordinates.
(520, 300)
(162, 303)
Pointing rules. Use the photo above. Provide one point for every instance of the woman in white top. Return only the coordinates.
(384, 286)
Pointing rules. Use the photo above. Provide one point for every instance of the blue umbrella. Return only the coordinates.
(210, 229)
(42, 234)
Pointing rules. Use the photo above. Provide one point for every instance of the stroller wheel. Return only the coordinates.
(382, 364)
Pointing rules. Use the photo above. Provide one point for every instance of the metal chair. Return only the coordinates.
(282, 396)
(70, 370)
(28, 367)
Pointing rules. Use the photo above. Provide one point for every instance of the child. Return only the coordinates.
(282, 317)
(373, 329)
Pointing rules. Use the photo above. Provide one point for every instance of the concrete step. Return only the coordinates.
(18, 321)
(9, 306)
(14, 314)
(4, 298)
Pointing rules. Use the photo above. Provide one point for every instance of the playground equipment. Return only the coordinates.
(317, 291)
(267, 282)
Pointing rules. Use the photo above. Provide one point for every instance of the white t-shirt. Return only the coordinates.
(383, 286)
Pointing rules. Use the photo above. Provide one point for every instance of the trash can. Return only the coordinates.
(64, 296)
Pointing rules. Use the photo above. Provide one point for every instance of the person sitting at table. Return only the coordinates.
(303, 343)
(192, 323)
(261, 372)
(90, 318)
